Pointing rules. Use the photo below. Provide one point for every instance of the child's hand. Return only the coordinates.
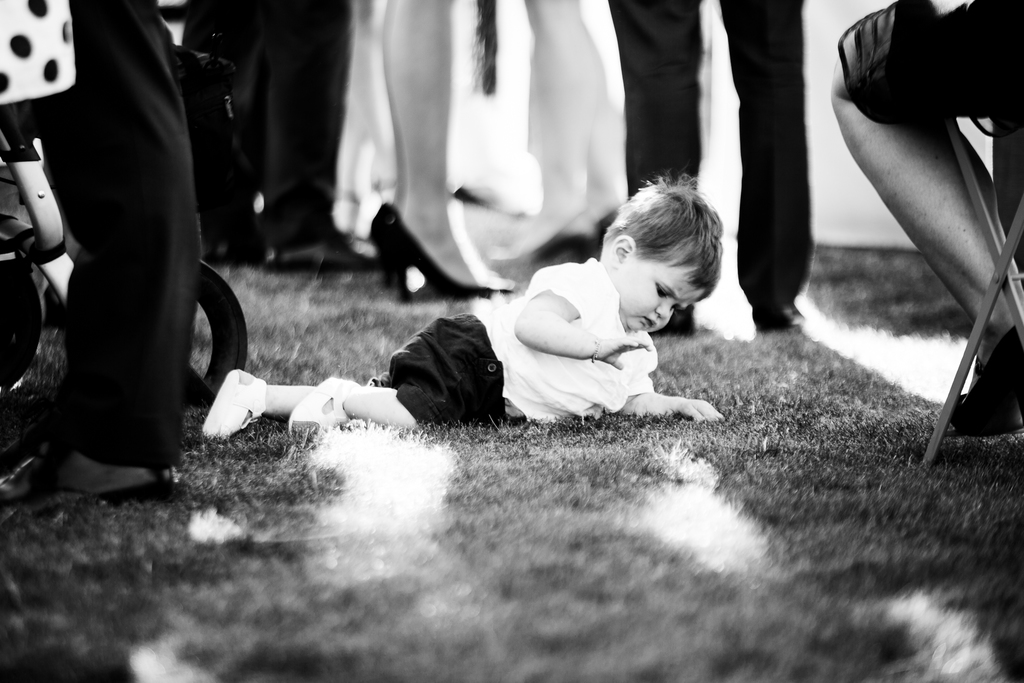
(657, 404)
(697, 410)
(610, 350)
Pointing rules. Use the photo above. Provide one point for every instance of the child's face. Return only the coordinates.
(648, 290)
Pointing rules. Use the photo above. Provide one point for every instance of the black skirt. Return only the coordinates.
(910, 63)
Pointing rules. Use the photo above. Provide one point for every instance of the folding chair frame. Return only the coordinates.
(1005, 281)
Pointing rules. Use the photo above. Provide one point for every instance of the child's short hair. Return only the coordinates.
(672, 222)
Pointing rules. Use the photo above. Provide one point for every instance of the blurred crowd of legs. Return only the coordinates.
(376, 75)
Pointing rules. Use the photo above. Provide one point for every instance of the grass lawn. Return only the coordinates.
(798, 540)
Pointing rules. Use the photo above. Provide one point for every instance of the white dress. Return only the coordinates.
(546, 387)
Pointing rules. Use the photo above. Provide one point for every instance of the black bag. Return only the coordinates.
(206, 83)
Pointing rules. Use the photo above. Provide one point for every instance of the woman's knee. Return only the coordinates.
(845, 110)
(839, 92)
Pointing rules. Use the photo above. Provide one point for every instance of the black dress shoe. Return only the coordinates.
(776, 318)
(36, 479)
(325, 249)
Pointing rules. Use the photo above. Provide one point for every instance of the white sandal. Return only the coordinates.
(236, 405)
(309, 414)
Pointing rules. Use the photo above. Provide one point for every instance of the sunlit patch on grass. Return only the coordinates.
(393, 500)
(921, 365)
(209, 527)
(386, 523)
(948, 644)
(682, 467)
(160, 665)
(695, 519)
(691, 516)
(395, 482)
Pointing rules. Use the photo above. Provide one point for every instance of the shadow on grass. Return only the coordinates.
(886, 289)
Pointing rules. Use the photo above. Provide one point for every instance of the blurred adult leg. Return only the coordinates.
(766, 47)
(230, 232)
(568, 90)
(367, 120)
(308, 51)
(292, 58)
(660, 49)
(118, 147)
(417, 65)
(606, 162)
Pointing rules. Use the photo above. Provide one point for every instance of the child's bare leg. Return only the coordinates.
(244, 397)
(282, 399)
(379, 405)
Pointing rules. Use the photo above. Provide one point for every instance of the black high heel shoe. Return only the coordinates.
(983, 410)
(397, 250)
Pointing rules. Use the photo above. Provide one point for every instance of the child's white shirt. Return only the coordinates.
(544, 386)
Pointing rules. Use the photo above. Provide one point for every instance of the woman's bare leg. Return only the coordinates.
(606, 160)
(567, 88)
(377, 109)
(367, 126)
(914, 170)
(418, 65)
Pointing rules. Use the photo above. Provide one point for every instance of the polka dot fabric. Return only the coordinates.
(37, 56)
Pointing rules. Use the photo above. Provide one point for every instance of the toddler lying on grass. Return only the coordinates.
(576, 344)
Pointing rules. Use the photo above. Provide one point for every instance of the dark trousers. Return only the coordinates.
(117, 146)
(292, 59)
(660, 49)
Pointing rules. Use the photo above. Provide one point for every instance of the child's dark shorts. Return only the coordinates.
(447, 372)
(909, 63)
